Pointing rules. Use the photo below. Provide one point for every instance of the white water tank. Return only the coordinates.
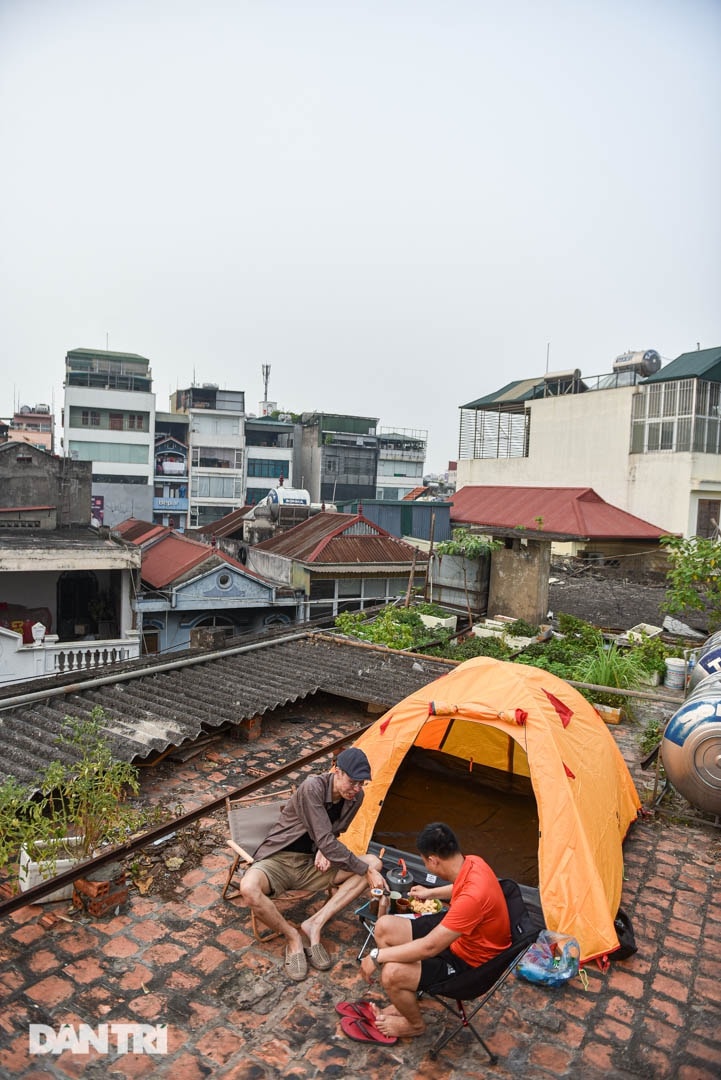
(284, 496)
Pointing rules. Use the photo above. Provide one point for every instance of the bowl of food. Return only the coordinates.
(425, 907)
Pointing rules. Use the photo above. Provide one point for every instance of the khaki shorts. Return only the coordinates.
(287, 870)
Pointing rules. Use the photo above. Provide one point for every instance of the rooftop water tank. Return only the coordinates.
(708, 660)
(645, 363)
(691, 746)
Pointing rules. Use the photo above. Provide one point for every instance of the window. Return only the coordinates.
(107, 451)
(217, 457)
(708, 515)
(267, 467)
(135, 422)
(215, 487)
(90, 418)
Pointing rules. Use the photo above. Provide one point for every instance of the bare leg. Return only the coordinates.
(350, 886)
(254, 888)
(400, 981)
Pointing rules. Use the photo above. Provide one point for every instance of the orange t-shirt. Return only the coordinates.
(478, 912)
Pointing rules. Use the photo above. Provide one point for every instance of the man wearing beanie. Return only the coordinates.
(303, 852)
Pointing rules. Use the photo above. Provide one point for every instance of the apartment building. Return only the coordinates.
(216, 444)
(401, 460)
(171, 482)
(269, 456)
(645, 437)
(109, 419)
(338, 457)
(33, 425)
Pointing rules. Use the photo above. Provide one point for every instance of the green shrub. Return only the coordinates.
(651, 736)
(472, 646)
(521, 628)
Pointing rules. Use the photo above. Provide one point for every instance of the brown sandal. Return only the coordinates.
(296, 965)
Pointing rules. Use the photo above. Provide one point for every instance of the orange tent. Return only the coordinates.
(523, 721)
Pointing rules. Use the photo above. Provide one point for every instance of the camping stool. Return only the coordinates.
(480, 984)
(368, 922)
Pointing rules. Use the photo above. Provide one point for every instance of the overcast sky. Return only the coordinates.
(400, 205)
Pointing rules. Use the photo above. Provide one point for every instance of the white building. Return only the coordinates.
(269, 449)
(109, 419)
(646, 438)
(217, 450)
(401, 460)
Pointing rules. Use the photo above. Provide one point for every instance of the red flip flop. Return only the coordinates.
(356, 1010)
(362, 1031)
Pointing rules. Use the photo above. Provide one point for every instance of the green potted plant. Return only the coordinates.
(78, 803)
(652, 653)
(610, 666)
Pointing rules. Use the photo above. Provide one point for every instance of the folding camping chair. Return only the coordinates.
(479, 984)
(249, 822)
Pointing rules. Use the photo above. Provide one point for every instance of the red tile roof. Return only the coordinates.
(335, 538)
(171, 557)
(135, 531)
(168, 555)
(575, 511)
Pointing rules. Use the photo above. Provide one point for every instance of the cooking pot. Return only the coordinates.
(399, 880)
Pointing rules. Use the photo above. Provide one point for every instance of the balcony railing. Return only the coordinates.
(53, 657)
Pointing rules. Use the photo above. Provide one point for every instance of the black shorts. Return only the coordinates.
(441, 967)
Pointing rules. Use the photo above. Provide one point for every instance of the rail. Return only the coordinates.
(161, 831)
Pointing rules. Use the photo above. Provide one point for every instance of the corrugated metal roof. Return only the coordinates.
(227, 525)
(574, 511)
(701, 363)
(335, 538)
(169, 704)
(513, 392)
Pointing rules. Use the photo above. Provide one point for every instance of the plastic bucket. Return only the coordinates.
(675, 673)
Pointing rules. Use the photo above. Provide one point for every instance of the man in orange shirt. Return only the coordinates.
(413, 954)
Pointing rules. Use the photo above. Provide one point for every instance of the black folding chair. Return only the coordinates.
(479, 984)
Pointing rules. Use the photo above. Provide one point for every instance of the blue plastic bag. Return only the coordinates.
(552, 959)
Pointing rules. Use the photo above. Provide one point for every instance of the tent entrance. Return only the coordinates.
(493, 813)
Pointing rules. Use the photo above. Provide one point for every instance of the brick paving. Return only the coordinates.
(179, 955)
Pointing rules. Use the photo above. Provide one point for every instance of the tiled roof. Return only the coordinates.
(416, 493)
(332, 538)
(136, 531)
(170, 558)
(150, 708)
(169, 555)
(573, 511)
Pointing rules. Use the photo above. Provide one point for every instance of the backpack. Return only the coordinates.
(626, 937)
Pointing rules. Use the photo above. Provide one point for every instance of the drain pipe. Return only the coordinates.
(126, 676)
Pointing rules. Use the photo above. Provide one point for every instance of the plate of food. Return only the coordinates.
(425, 907)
